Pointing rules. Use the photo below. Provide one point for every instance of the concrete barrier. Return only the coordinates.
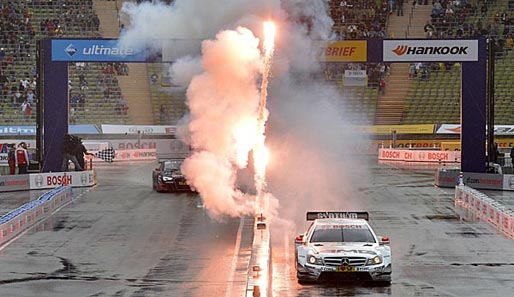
(259, 270)
(51, 180)
(480, 206)
(20, 219)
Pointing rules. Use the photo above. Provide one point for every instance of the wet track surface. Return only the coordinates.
(122, 239)
(435, 252)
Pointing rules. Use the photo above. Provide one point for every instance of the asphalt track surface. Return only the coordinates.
(435, 252)
(120, 238)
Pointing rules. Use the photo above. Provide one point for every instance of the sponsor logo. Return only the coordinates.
(71, 50)
(59, 180)
(39, 180)
(345, 261)
(83, 178)
(96, 50)
(401, 50)
(141, 129)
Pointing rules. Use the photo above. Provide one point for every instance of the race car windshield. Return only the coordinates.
(171, 166)
(342, 235)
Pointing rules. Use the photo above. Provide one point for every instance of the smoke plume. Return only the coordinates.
(309, 136)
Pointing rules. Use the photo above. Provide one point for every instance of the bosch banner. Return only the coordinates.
(94, 50)
(430, 50)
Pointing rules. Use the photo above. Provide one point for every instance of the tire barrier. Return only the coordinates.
(20, 219)
(258, 282)
(480, 206)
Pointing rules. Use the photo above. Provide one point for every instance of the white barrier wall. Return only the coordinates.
(38, 181)
(51, 180)
(484, 208)
(418, 155)
(25, 216)
(259, 271)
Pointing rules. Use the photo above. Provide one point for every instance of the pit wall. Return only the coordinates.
(478, 206)
(20, 219)
(51, 180)
(259, 270)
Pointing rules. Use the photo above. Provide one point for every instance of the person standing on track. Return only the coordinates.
(22, 158)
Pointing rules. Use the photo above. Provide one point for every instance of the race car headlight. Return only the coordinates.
(314, 260)
(167, 178)
(374, 261)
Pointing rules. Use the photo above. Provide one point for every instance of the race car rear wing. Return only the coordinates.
(314, 215)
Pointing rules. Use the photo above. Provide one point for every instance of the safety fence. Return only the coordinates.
(20, 219)
(480, 206)
(259, 270)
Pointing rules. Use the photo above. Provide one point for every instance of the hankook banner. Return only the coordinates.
(430, 50)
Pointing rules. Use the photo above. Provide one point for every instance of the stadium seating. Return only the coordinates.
(25, 22)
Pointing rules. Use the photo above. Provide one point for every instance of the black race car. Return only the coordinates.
(168, 177)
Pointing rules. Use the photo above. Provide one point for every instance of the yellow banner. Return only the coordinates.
(400, 129)
(450, 146)
(343, 51)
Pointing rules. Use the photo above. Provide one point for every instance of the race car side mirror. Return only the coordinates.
(384, 240)
(299, 239)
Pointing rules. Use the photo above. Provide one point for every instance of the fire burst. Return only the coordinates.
(261, 153)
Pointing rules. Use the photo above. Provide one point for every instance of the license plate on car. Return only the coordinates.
(345, 269)
(182, 183)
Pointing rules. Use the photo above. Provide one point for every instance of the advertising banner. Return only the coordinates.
(14, 183)
(53, 180)
(135, 129)
(427, 50)
(483, 180)
(342, 51)
(400, 129)
(31, 130)
(94, 50)
(505, 130)
(419, 155)
(355, 78)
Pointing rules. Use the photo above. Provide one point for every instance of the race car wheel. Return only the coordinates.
(302, 280)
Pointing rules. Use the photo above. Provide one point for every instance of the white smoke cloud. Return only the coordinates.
(184, 69)
(308, 135)
(187, 19)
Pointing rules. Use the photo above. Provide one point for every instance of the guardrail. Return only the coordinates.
(480, 206)
(20, 219)
(259, 270)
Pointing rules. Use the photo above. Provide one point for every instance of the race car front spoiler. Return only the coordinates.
(330, 273)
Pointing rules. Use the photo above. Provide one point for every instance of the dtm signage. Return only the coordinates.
(98, 50)
(430, 50)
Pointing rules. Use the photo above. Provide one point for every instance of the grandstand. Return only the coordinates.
(99, 90)
(26, 21)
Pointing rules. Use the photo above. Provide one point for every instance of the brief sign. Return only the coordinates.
(342, 51)
(430, 50)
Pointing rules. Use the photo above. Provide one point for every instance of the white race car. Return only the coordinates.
(341, 246)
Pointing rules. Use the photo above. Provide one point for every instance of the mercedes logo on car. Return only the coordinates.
(345, 262)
